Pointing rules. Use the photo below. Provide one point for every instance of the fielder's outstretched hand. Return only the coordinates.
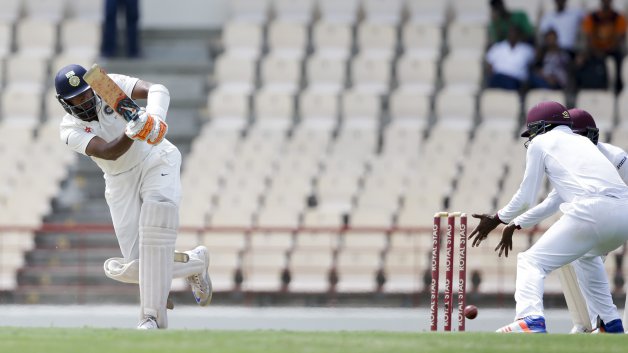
(505, 244)
(486, 225)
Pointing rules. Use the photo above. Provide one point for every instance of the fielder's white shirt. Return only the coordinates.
(574, 166)
(511, 61)
(552, 202)
(77, 133)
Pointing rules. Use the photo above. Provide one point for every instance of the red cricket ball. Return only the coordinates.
(470, 312)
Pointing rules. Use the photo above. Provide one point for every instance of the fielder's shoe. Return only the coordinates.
(201, 283)
(529, 324)
(614, 326)
(149, 323)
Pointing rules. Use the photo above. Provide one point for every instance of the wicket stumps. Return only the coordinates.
(449, 269)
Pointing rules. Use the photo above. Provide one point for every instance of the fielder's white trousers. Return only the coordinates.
(588, 228)
(156, 178)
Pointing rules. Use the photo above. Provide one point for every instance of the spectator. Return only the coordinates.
(110, 28)
(605, 31)
(551, 67)
(566, 22)
(502, 19)
(508, 61)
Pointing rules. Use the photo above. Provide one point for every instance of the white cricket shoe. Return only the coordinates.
(149, 323)
(201, 283)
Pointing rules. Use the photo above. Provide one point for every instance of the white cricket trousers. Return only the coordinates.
(156, 178)
(588, 228)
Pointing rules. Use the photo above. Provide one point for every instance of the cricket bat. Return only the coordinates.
(576, 303)
(111, 93)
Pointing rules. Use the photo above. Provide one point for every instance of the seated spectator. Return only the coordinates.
(605, 31)
(551, 66)
(502, 19)
(566, 22)
(508, 62)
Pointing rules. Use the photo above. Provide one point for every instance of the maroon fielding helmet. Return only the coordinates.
(543, 115)
(583, 124)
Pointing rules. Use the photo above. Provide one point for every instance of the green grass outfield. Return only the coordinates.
(88, 340)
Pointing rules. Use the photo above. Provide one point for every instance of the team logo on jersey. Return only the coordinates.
(88, 129)
(108, 110)
(74, 81)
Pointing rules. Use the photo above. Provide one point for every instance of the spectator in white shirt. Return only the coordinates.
(566, 22)
(508, 62)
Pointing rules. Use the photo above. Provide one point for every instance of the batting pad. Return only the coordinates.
(158, 232)
(120, 270)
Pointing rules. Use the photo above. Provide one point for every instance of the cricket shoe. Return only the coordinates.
(614, 326)
(529, 324)
(149, 323)
(579, 329)
(200, 283)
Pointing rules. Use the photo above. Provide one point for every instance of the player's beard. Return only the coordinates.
(88, 110)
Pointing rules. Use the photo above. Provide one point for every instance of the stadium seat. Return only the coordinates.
(11, 11)
(496, 104)
(224, 104)
(318, 105)
(476, 12)
(422, 40)
(26, 72)
(462, 70)
(601, 105)
(80, 37)
(269, 105)
(45, 10)
(309, 270)
(360, 105)
(356, 271)
(282, 75)
(224, 264)
(297, 11)
(325, 74)
(427, 12)
(21, 107)
(262, 270)
(332, 40)
(403, 268)
(416, 73)
(235, 73)
(383, 11)
(6, 40)
(251, 11)
(407, 104)
(467, 37)
(243, 39)
(36, 38)
(371, 75)
(377, 40)
(287, 39)
(464, 109)
(89, 10)
(334, 11)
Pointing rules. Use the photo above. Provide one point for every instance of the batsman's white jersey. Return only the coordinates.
(594, 222)
(144, 173)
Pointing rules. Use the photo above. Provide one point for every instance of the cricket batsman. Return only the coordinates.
(143, 187)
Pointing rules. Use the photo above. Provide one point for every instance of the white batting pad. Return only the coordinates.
(129, 272)
(158, 232)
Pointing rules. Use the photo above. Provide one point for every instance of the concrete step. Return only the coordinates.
(62, 275)
(86, 256)
(52, 241)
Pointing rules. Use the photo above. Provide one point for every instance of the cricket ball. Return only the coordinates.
(470, 312)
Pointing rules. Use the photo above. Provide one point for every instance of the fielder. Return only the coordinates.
(583, 124)
(143, 188)
(595, 202)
